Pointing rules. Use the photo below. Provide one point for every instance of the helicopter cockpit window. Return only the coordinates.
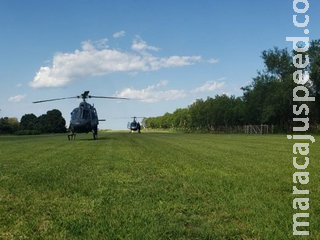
(75, 114)
(85, 114)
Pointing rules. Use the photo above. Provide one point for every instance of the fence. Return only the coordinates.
(247, 129)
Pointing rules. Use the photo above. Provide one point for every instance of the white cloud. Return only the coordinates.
(102, 43)
(152, 93)
(141, 46)
(97, 58)
(119, 34)
(155, 93)
(213, 61)
(209, 86)
(17, 98)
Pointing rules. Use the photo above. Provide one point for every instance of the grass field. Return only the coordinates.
(152, 186)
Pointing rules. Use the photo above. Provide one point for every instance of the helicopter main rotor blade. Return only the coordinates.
(109, 97)
(53, 99)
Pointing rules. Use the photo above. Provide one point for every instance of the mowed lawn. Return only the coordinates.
(152, 186)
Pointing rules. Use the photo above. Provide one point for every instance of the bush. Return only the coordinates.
(28, 132)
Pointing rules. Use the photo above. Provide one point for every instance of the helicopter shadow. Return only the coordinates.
(97, 139)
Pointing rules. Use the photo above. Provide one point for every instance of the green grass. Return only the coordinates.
(152, 186)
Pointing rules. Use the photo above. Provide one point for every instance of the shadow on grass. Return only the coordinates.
(103, 138)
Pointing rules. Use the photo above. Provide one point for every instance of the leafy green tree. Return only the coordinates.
(51, 122)
(56, 123)
(28, 122)
(8, 125)
(42, 124)
(268, 100)
(181, 118)
(198, 115)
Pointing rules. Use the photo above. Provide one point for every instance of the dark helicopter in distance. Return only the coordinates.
(134, 125)
(84, 119)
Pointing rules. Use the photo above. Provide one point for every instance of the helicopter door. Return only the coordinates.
(94, 117)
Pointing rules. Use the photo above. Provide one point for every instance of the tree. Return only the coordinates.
(56, 122)
(8, 125)
(268, 100)
(51, 122)
(28, 122)
(181, 118)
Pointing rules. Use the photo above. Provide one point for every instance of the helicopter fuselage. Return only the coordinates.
(84, 119)
(134, 125)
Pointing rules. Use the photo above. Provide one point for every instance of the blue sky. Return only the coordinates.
(165, 53)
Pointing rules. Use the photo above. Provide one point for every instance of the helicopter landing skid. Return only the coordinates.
(71, 136)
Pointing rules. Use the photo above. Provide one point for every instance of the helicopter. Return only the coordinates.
(134, 125)
(84, 119)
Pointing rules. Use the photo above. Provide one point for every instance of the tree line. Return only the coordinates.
(267, 100)
(51, 122)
